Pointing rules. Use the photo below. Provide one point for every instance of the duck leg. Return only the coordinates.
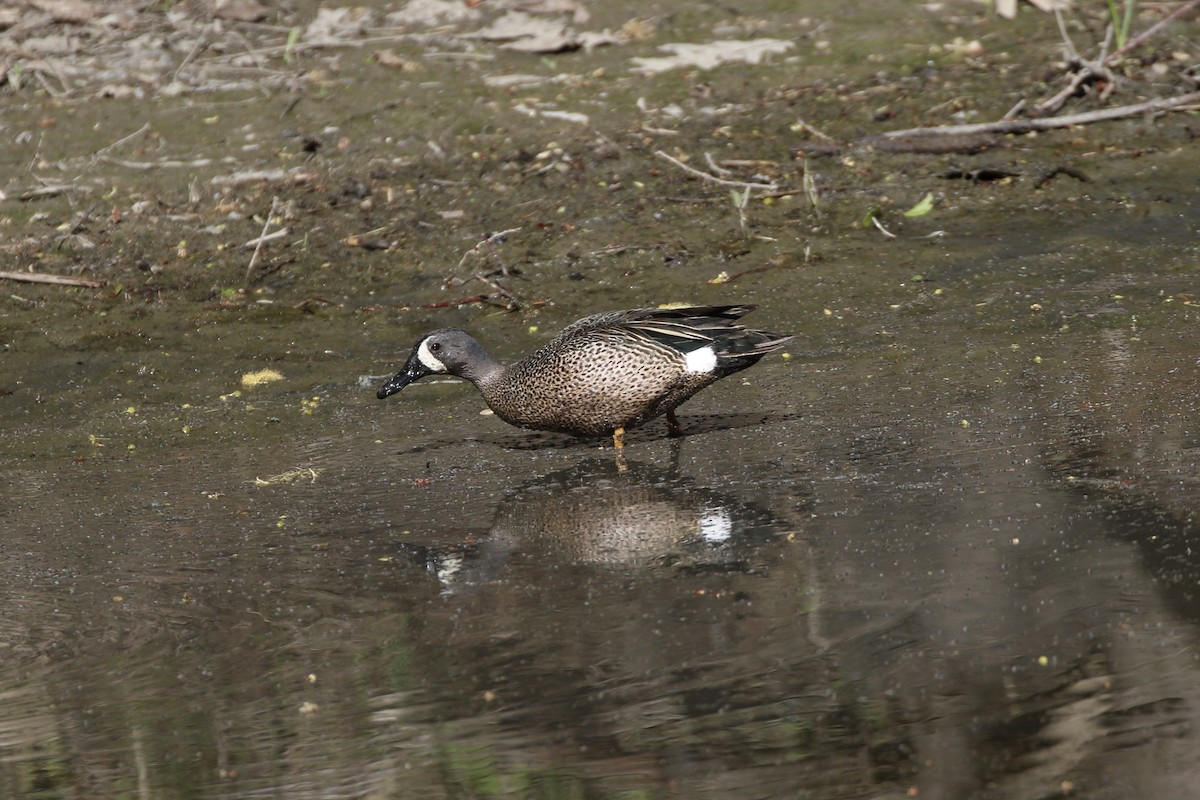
(673, 426)
(618, 438)
(619, 450)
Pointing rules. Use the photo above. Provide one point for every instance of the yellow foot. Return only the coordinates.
(619, 449)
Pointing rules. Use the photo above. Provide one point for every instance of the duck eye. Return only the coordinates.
(435, 346)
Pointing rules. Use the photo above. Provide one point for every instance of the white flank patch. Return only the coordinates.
(702, 360)
(428, 359)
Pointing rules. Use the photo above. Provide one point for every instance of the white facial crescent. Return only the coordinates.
(429, 359)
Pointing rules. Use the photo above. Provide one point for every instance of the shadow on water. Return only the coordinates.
(693, 425)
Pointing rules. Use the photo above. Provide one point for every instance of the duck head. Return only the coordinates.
(448, 351)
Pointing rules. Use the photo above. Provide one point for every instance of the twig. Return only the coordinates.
(723, 278)
(1084, 71)
(486, 243)
(36, 157)
(262, 237)
(650, 129)
(269, 237)
(886, 233)
(1109, 33)
(122, 140)
(500, 290)
(201, 42)
(197, 162)
(50, 191)
(1072, 53)
(37, 73)
(1153, 29)
(801, 124)
(716, 168)
(479, 298)
(1050, 123)
(617, 249)
(770, 187)
(57, 280)
(1012, 112)
(454, 283)
(250, 49)
(262, 176)
(1087, 71)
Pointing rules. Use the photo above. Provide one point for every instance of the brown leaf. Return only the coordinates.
(388, 58)
(239, 10)
(75, 12)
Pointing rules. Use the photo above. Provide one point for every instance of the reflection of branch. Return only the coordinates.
(1050, 123)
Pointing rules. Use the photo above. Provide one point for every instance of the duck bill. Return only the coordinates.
(414, 370)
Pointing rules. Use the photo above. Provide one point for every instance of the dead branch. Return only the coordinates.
(262, 176)
(57, 280)
(53, 190)
(769, 187)
(144, 129)
(484, 299)
(1084, 72)
(166, 163)
(262, 237)
(266, 237)
(1050, 123)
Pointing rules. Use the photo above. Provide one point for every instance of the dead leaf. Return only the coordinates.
(1050, 6)
(519, 31)
(579, 14)
(638, 30)
(239, 10)
(388, 58)
(53, 45)
(333, 26)
(74, 12)
(431, 12)
(713, 54)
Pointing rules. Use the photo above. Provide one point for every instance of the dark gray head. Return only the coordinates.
(448, 351)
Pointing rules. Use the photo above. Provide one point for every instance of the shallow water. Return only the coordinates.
(979, 585)
(944, 549)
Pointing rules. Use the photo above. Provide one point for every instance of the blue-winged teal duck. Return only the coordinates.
(603, 374)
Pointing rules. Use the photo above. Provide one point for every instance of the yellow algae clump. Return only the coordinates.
(252, 380)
